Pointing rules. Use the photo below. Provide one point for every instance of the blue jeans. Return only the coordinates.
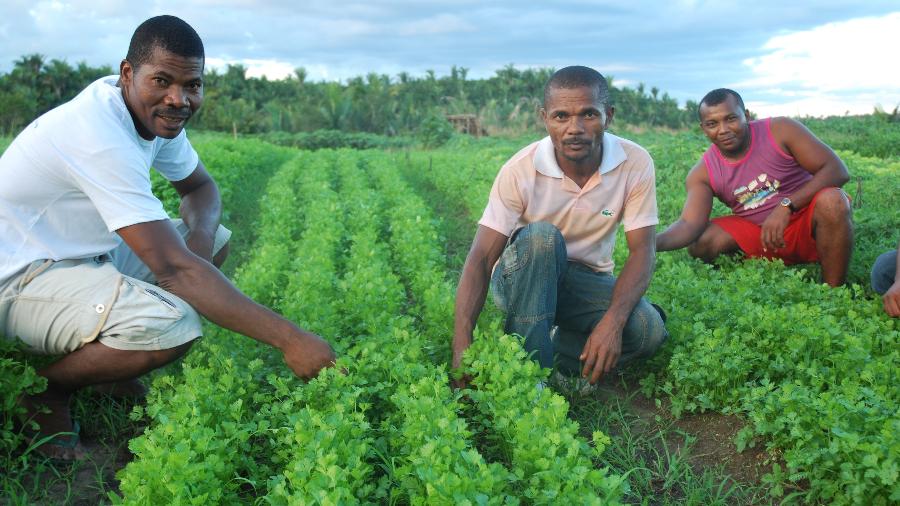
(537, 287)
(884, 272)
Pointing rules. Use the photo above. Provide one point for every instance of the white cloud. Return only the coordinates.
(849, 65)
(440, 24)
(677, 46)
(821, 105)
(619, 67)
(271, 69)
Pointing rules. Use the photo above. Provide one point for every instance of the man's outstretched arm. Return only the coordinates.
(201, 210)
(185, 274)
(472, 289)
(604, 345)
(695, 214)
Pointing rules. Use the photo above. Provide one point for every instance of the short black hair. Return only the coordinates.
(165, 32)
(717, 96)
(577, 76)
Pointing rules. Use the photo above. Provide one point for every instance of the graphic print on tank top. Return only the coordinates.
(757, 192)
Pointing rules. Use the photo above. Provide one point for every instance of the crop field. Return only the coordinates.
(364, 247)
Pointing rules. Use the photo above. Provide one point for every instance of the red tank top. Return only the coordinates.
(756, 183)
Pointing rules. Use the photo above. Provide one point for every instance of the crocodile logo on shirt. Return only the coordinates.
(606, 212)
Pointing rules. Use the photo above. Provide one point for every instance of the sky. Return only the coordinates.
(795, 58)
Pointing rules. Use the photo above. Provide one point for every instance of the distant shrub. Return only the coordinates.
(435, 131)
(334, 139)
(870, 135)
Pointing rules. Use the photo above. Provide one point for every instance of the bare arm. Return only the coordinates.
(473, 285)
(813, 155)
(201, 210)
(198, 282)
(694, 215)
(816, 158)
(604, 345)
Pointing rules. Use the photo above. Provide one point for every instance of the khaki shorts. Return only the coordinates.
(58, 307)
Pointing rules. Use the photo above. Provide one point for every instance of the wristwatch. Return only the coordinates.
(786, 202)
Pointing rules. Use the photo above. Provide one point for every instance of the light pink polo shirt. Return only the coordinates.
(531, 187)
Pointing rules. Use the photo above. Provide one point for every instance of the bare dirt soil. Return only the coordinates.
(713, 434)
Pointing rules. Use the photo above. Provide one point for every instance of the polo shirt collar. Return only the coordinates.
(545, 156)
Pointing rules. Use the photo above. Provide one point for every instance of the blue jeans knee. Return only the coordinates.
(534, 258)
(644, 333)
(525, 285)
(884, 272)
(539, 241)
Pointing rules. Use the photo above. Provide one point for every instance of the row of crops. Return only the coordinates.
(348, 250)
(814, 371)
(347, 244)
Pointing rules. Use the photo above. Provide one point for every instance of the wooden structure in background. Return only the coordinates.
(467, 124)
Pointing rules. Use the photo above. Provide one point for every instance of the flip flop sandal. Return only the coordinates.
(66, 440)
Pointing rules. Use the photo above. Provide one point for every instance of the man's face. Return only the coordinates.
(162, 93)
(576, 120)
(726, 125)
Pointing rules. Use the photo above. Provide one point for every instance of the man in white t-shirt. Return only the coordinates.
(91, 267)
(545, 241)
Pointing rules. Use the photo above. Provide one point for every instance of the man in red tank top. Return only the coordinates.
(781, 183)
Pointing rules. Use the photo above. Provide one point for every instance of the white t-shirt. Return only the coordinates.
(76, 175)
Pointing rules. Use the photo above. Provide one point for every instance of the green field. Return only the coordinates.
(364, 247)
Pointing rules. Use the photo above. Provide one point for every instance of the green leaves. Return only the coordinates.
(347, 248)
(811, 369)
(791, 356)
(551, 463)
(16, 379)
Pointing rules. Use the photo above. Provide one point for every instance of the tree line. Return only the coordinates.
(506, 102)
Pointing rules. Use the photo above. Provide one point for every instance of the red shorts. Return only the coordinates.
(800, 247)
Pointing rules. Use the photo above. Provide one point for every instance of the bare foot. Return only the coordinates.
(128, 389)
(50, 409)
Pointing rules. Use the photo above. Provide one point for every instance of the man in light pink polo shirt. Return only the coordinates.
(545, 241)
